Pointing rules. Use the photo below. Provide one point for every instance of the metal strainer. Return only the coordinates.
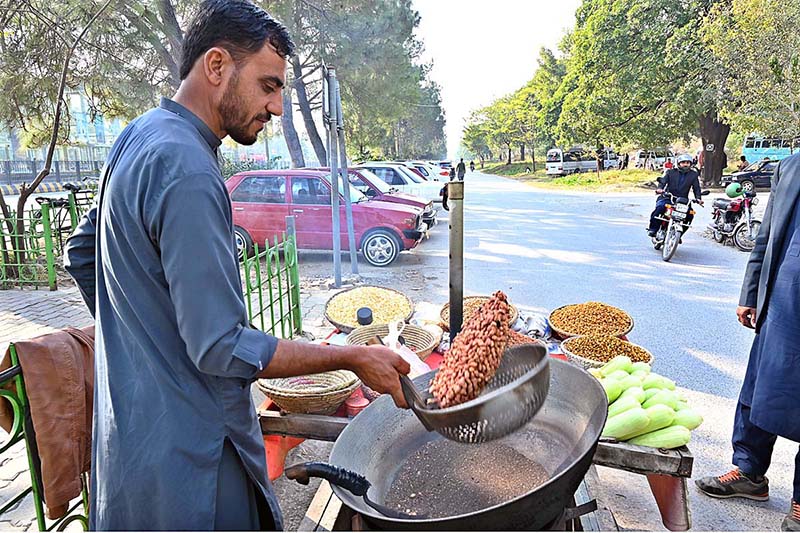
(513, 396)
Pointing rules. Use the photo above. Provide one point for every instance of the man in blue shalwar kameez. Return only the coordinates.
(176, 443)
(769, 402)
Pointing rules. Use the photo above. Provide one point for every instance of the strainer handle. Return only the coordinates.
(413, 399)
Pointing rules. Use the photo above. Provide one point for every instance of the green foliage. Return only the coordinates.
(758, 47)
(131, 57)
(644, 73)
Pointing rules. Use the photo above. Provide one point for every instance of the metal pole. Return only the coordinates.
(348, 206)
(333, 156)
(455, 200)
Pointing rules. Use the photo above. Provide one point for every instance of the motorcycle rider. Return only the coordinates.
(677, 181)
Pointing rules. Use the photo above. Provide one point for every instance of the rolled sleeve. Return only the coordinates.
(191, 227)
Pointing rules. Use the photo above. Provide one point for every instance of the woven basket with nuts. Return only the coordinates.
(590, 318)
(472, 304)
(387, 305)
(594, 351)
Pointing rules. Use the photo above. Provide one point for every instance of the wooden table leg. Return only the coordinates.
(672, 498)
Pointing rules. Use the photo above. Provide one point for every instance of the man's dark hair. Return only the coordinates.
(239, 26)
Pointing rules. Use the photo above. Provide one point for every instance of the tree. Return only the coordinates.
(26, 190)
(639, 73)
(476, 137)
(756, 45)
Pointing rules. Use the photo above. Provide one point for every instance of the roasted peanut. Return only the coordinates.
(475, 354)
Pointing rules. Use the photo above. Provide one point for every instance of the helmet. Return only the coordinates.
(733, 190)
(684, 157)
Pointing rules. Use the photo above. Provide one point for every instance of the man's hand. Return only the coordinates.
(659, 191)
(380, 368)
(747, 316)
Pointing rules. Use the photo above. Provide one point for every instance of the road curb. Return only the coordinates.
(13, 190)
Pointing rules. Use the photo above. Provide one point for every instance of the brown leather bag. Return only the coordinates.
(58, 370)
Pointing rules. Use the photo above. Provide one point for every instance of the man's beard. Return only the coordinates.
(234, 116)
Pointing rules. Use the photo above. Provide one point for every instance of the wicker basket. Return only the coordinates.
(418, 339)
(444, 314)
(566, 334)
(319, 394)
(345, 328)
(591, 363)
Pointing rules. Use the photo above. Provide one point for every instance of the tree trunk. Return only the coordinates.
(712, 131)
(305, 110)
(533, 157)
(522, 152)
(289, 131)
(508, 162)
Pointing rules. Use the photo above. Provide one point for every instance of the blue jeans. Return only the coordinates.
(752, 448)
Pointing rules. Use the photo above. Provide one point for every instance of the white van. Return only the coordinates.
(561, 163)
(611, 159)
(653, 159)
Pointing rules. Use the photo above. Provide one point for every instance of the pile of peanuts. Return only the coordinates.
(475, 355)
(604, 348)
(591, 318)
(387, 305)
(518, 339)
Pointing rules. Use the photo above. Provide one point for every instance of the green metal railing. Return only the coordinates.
(12, 390)
(28, 258)
(46, 229)
(272, 286)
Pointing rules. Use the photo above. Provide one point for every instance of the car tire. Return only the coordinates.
(244, 242)
(380, 247)
(748, 185)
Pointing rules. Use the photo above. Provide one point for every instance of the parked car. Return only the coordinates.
(428, 171)
(262, 200)
(759, 174)
(377, 189)
(405, 180)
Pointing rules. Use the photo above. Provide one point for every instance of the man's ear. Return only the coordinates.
(216, 61)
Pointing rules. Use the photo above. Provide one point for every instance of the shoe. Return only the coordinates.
(734, 484)
(652, 232)
(792, 520)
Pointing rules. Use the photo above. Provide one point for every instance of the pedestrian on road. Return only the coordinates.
(452, 173)
(625, 159)
(742, 164)
(472, 166)
(769, 401)
(176, 444)
(461, 169)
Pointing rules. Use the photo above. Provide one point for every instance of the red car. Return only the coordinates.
(377, 189)
(262, 199)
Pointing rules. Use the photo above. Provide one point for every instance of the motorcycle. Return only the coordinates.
(733, 219)
(676, 220)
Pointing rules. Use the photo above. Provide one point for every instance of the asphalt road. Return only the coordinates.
(547, 249)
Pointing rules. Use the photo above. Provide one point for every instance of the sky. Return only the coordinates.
(485, 49)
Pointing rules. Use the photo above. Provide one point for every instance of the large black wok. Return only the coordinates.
(561, 438)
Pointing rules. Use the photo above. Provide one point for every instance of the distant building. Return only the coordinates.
(90, 139)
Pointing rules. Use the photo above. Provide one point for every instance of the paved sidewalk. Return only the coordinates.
(23, 315)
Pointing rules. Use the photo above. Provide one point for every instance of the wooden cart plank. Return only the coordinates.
(643, 460)
(317, 427)
(314, 519)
